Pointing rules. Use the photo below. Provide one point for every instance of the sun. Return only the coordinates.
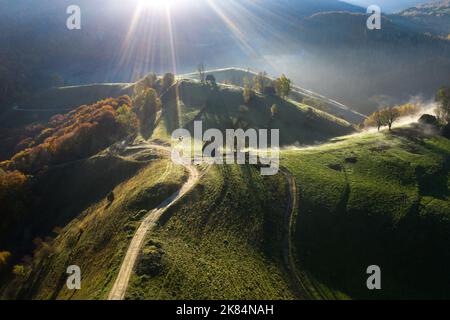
(159, 4)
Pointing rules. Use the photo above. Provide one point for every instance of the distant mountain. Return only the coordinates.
(367, 69)
(388, 6)
(323, 45)
(305, 8)
(432, 17)
(37, 48)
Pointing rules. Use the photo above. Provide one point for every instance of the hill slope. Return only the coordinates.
(97, 238)
(339, 54)
(236, 75)
(363, 199)
(431, 17)
(223, 241)
(237, 33)
(223, 107)
(375, 199)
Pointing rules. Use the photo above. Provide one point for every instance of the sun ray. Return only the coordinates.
(156, 40)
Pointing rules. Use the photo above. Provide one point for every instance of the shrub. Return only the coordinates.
(428, 119)
(21, 271)
(283, 86)
(4, 259)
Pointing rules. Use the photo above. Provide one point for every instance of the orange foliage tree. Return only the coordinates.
(77, 134)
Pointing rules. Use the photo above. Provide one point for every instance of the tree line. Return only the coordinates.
(262, 84)
(388, 116)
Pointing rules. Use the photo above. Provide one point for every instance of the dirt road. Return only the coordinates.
(120, 286)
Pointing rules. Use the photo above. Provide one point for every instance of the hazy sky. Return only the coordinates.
(388, 5)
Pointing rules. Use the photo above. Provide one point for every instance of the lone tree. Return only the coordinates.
(201, 73)
(150, 81)
(147, 104)
(283, 86)
(385, 117)
(391, 115)
(248, 92)
(260, 81)
(443, 102)
(376, 119)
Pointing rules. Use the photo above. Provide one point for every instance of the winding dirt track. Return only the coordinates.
(288, 247)
(120, 286)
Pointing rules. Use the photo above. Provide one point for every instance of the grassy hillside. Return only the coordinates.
(222, 107)
(364, 199)
(378, 199)
(96, 239)
(59, 195)
(235, 76)
(223, 241)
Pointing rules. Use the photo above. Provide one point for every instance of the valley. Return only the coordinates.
(224, 151)
(254, 236)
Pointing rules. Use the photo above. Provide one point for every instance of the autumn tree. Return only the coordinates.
(408, 109)
(390, 115)
(78, 134)
(4, 259)
(376, 119)
(14, 195)
(127, 119)
(385, 117)
(283, 86)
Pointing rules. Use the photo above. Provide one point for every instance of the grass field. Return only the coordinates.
(223, 241)
(364, 199)
(222, 108)
(236, 76)
(96, 240)
(378, 199)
